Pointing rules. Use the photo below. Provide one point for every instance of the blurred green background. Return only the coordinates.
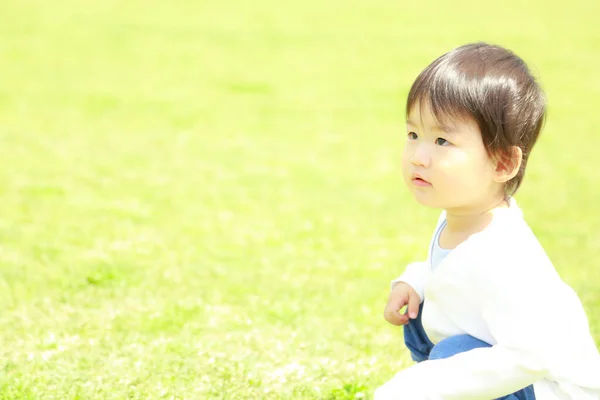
(203, 199)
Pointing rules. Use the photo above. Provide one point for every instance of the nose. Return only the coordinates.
(421, 156)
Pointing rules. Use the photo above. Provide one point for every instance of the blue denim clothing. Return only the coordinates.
(421, 349)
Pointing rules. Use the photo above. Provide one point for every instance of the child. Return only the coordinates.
(487, 315)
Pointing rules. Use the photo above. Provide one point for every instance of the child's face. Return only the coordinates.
(447, 166)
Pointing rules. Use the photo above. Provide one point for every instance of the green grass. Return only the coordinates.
(203, 199)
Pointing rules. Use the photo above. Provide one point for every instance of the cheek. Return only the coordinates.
(406, 154)
(464, 169)
(455, 163)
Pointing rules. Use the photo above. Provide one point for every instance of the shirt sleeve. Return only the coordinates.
(483, 373)
(539, 325)
(416, 275)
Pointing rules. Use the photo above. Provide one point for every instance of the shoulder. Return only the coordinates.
(508, 247)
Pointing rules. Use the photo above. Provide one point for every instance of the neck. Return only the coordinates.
(474, 219)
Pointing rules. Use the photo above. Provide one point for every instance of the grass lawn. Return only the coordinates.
(203, 199)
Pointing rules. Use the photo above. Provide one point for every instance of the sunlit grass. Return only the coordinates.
(203, 199)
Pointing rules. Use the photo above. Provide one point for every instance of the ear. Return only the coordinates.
(508, 164)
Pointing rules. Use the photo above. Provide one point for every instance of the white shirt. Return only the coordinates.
(500, 287)
(436, 252)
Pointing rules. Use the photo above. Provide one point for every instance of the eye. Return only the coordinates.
(442, 142)
(413, 136)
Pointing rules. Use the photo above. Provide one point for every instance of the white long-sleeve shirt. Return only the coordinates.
(500, 287)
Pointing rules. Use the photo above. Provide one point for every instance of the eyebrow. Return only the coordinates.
(448, 129)
(409, 121)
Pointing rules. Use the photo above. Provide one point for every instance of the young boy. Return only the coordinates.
(487, 315)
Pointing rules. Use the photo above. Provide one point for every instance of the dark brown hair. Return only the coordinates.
(495, 88)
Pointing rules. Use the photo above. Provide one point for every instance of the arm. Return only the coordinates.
(478, 374)
(532, 317)
(416, 275)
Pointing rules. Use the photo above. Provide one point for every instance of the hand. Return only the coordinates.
(402, 295)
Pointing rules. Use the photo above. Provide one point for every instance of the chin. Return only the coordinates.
(425, 199)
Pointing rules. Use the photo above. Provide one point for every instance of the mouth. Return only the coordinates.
(419, 181)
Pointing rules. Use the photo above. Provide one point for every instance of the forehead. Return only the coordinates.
(421, 115)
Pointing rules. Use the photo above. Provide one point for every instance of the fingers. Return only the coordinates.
(391, 312)
(413, 305)
(402, 295)
(403, 318)
(392, 315)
